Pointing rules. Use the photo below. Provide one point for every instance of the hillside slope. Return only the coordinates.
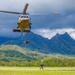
(17, 53)
(60, 44)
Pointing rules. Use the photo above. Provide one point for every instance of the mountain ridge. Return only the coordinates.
(11, 53)
(15, 52)
(61, 44)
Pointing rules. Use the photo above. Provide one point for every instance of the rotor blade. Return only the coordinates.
(10, 12)
(25, 8)
(53, 14)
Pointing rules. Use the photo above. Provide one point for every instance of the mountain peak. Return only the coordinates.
(66, 34)
(56, 37)
(57, 34)
(62, 44)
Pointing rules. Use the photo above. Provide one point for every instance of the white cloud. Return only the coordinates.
(47, 33)
(43, 6)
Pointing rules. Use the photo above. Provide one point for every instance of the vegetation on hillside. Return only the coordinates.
(48, 62)
(13, 55)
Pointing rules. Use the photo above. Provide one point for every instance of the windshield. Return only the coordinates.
(24, 16)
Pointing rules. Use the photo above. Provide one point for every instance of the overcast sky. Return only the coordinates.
(44, 22)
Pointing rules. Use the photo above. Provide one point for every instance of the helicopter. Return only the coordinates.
(24, 22)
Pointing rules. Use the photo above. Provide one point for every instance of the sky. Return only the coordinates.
(48, 17)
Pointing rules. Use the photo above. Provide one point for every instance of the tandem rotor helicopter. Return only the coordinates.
(24, 22)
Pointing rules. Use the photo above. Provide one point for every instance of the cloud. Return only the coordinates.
(64, 22)
(43, 20)
(53, 22)
(47, 33)
(41, 6)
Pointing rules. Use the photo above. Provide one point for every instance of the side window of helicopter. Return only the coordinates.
(21, 16)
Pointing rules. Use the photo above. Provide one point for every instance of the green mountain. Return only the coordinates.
(36, 42)
(63, 44)
(17, 53)
(60, 44)
(11, 53)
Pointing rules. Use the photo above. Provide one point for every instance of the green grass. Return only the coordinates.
(36, 71)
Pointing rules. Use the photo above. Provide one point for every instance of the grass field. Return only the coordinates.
(37, 71)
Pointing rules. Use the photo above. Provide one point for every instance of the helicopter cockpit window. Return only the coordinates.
(21, 16)
(26, 16)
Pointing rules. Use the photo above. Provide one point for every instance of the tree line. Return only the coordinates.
(48, 62)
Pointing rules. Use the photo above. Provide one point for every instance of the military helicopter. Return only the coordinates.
(24, 22)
